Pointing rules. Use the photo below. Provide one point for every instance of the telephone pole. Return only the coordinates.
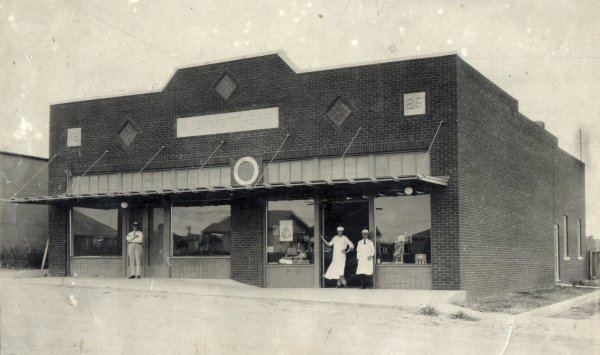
(580, 146)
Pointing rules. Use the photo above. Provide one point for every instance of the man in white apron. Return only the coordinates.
(341, 245)
(135, 239)
(365, 251)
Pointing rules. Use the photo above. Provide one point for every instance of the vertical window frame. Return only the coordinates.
(556, 246)
(566, 238)
(579, 240)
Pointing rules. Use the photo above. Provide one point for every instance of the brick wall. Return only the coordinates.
(374, 91)
(569, 200)
(247, 241)
(506, 168)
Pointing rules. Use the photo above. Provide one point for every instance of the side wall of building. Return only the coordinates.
(506, 178)
(23, 228)
(569, 202)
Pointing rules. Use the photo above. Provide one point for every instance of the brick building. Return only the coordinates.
(458, 189)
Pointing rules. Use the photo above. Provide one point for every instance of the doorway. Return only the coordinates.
(154, 223)
(353, 215)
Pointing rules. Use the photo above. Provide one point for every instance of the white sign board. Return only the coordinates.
(286, 230)
(74, 137)
(414, 104)
(228, 122)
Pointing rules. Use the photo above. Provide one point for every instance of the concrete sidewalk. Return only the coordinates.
(405, 299)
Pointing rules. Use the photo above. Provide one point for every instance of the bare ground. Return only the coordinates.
(63, 316)
(519, 302)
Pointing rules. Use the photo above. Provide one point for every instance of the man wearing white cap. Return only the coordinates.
(341, 245)
(365, 251)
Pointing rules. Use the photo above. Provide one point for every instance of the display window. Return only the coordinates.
(290, 232)
(201, 230)
(96, 232)
(403, 229)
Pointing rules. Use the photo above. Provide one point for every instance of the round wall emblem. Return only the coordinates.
(245, 171)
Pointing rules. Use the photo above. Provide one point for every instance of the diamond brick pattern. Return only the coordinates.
(225, 87)
(128, 133)
(339, 112)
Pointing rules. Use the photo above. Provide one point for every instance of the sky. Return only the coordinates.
(545, 54)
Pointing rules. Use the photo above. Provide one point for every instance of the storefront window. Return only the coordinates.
(201, 230)
(96, 232)
(403, 229)
(290, 231)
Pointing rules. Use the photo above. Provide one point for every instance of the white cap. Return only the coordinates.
(340, 229)
(365, 231)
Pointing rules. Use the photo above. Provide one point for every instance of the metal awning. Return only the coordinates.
(370, 184)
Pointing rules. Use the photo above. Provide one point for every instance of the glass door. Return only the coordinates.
(156, 248)
(154, 223)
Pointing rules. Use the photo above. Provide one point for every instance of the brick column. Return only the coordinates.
(248, 241)
(445, 255)
(57, 232)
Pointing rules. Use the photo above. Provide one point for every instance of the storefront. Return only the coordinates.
(235, 170)
(188, 227)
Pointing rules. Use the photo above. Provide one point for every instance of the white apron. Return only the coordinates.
(364, 249)
(338, 262)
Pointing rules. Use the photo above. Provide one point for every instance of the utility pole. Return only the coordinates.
(580, 146)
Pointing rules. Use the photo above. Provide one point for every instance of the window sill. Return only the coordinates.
(289, 265)
(566, 258)
(201, 257)
(580, 258)
(402, 265)
(96, 257)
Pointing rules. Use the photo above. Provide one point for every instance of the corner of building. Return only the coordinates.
(506, 169)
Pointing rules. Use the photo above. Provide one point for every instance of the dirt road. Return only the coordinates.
(58, 316)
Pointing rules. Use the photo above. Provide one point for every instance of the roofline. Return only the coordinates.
(571, 156)
(23, 155)
(282, 54)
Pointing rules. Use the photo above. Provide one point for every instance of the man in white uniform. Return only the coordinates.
(365, 251)
(341, 245)
(135, 239)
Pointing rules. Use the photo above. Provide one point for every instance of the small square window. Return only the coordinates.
(339, 111)
(225, 87)
(128, 133)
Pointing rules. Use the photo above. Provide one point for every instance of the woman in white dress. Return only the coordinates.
(365, 251)
(341, 245)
